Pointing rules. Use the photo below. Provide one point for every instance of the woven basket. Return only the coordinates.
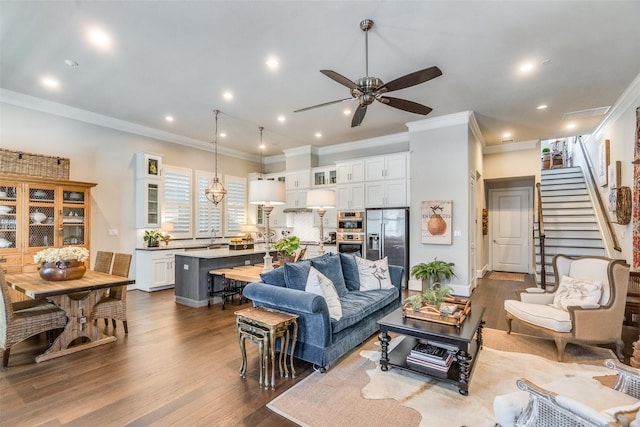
(37, 165)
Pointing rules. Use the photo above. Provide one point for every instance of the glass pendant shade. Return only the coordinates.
(215, 192)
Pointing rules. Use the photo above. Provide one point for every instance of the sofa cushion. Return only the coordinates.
(274, 277)
(350, 271)
(319, 284)
(572, 291)
(331, 267)
(374, 274)
(357, 305)
(540, 314)
(296, 273)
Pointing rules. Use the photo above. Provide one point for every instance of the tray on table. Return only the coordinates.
(425, 313)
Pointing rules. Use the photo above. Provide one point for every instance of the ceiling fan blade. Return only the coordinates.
(323, 104)
(340, 79)
(358, 116)
(403, 104)
(412, 79)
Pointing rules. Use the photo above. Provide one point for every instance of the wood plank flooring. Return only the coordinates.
(177, 366)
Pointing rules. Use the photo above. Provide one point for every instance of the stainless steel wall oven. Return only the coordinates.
(350, 222)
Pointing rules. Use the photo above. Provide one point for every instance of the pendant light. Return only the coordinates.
(215, 192)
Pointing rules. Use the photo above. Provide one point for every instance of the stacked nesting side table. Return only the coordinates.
(264, 326)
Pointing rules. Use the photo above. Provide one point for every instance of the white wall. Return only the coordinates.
(440, 171)
(104, 156)
(619, 129)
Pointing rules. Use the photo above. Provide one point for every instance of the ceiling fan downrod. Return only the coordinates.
(365, 26)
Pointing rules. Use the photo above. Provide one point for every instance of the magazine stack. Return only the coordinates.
(430, 359)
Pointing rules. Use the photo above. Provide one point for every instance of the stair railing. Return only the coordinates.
(541, 236)
(594, 185)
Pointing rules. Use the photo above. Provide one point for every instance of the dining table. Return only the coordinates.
(77, 298)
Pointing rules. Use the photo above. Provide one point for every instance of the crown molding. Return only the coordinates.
(455, 119)
(627, 100)
(42, 105)
(475, 130)
(512, 146)
(380, 141)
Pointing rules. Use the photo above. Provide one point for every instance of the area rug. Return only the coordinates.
(501, 275)
(356, 392)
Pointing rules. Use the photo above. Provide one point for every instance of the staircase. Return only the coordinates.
(570, 223)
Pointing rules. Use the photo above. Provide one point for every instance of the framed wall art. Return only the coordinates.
(436, 222)
(614, 174)
(603, 163)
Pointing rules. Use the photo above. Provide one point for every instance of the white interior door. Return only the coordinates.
(511, 225)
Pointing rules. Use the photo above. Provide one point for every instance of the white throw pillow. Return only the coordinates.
(319, 284)
(374, 274)
(574, 291)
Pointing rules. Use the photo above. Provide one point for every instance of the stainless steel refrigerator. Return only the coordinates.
(387, 234)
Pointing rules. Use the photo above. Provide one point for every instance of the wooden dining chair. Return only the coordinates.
(103, 262)
(113, 305)
(24, 319)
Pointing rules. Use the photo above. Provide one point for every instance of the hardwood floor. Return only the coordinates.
(177, 366)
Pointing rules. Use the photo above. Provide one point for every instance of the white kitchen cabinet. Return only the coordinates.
(298, 180)
(390, 166)
(148, 203)
(155, 270)
(351, 171)
(330, 219)
(350, 197)
(148, 165)
(388, 193)
(323, 176)
(297, 199)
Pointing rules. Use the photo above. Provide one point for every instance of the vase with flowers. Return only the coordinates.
(66, 263)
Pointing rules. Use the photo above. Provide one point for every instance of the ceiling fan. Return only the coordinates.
(367, 89)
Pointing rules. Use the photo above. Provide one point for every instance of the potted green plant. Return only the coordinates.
(431, 297)
(153, 237)
(431, 273)
(287, 247)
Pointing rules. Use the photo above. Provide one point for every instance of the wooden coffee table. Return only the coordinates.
(467, 340)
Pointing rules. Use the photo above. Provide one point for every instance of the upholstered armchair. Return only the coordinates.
(586, 306)
(576, 401)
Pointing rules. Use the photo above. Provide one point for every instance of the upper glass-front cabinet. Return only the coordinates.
(74, 209)
(42, 215)
(9, 230)
(148, 165)
(324, 176)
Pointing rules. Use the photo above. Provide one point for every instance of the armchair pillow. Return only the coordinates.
(572, 291)
(319, 284)
(350, 271)
(274, 277)
(374, 274)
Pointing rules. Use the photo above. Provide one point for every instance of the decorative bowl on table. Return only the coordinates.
(66, 263)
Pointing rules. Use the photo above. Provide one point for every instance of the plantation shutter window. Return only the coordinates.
(177, 200)
(207, 214)
(236, 215)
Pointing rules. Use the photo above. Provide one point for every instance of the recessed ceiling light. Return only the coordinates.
(272, 63)
(99, 38)
(262, 146)
(318, 135)
(526, 67)
(506, 135)
(223, 135)
(169, 118)
(227, 95)
(281, 119)
(346, 112)
(71, 62)
(542, 107)
(571, 126)
(50, 82)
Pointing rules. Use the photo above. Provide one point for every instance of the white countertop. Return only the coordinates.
(222, 253)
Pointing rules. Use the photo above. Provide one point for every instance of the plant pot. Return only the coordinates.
(286, 258)
(153, 244)
(62, 270)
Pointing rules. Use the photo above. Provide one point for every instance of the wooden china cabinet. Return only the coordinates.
(40, 213)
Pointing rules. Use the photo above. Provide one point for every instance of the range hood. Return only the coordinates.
(297, 210)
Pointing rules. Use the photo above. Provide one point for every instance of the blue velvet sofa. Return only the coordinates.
(321, 339)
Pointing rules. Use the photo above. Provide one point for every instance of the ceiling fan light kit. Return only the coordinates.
(368, 89)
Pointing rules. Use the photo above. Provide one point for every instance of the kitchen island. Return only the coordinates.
(192, 270)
